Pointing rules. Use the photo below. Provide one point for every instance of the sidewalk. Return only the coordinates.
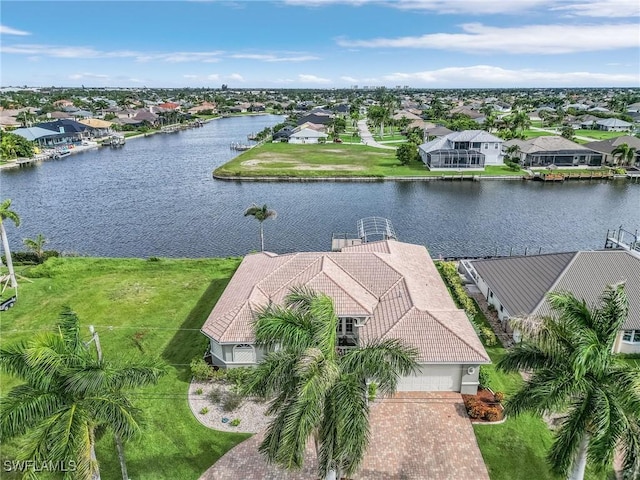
(367, 138)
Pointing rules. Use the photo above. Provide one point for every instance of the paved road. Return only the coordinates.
(367, 138)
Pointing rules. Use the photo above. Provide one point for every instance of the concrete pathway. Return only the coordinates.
(367, 138)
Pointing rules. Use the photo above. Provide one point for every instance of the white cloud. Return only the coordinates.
(536, 39)
(213, 76)
(273, 58)
(82, 76)
(492, 76)
(312, 79)
(236, 76)
(588, 8)
(602, 8)
(190, 76)
(62, 51)
(4, 30)
(349, 79)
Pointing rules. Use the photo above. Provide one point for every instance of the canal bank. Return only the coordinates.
(157, 198)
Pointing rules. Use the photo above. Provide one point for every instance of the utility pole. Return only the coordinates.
(95, 338)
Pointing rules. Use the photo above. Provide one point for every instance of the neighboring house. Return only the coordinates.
(45, 137)
(469, 149)
(283, 134)
(466, 111)
(169, 106)
(437, 131)
(97, 128)
(146, 116)
(517, 286)
(380, 290)
(321, 118)
(204, 107)
(607, 146)
(74, 130)
(307, 135)
(554, 150)
(613, 125)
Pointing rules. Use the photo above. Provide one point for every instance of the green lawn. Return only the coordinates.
(330, 160)
(139, 307)
(528, 134)
(599, 134)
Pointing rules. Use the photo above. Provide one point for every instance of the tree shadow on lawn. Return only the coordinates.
(189, 342)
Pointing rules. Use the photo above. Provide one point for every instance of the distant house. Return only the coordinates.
(204, 107)
(146, 116)
(517, 286)
(307, 135)
(97, 128)
(283, 134)
(257, 107)
(607, 146)
(554, 150)
(613, 125)
(469, 149)
(321, 118)
(169, 106)
(437, 131)
(47, 138)
(380, 290)
(64, 125)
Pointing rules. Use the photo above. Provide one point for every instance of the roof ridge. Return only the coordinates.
(351, 276)
(429, 312)
(556, 281)
(364, 307)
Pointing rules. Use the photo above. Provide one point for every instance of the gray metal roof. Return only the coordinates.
(590, 273)
(522, 282)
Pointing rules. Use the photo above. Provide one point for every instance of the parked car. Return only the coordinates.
(337, 140)
(7, 304)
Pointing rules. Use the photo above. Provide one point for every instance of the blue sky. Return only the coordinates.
(321, 43)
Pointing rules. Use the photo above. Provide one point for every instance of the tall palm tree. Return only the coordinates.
(36, 245)
(7, 214)
(624, 153)
(575, 373)
(261, 214)
(315, 392)
(66, 394)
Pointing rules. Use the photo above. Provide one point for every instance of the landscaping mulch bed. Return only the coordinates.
(484, 407)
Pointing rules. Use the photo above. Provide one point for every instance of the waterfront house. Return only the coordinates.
(517, 286)
(307, 135)
(380, 290)
(613, 125)
(316, 117)
(555, 150)
(469, 150)
(71, 131)
(97, 128)
(609, 145)
(44, 137)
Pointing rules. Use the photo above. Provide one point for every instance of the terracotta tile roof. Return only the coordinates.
(394, 285)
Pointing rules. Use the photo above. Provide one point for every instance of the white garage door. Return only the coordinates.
(433, 378)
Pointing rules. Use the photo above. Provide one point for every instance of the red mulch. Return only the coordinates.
(481, 405)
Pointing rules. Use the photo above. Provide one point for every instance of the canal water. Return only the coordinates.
(156, 197)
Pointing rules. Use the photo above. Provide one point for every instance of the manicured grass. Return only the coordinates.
(331, 160)
(528, 134)
(139, 307)
(599, 134)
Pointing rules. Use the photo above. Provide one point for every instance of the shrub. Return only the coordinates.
(483, 377)
(201, 370)
(235, 422)
(488, 336)
(237, 375)
(215, 395)
(492, 414)
(204, 411)
(199, 391)
(153, 259)
(232, 400)
(499, 396)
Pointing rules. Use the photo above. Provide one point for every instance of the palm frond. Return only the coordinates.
(382, 361)
(612, 313)
(281, 326)
(608, 424)
(630, 448)
(7, 214)
(324, 324)
(116, 412)
(525, 356)
(25, 407)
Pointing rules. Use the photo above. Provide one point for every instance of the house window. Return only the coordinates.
(495, 146)
(243, 353)
(631, 336)
(345, 326)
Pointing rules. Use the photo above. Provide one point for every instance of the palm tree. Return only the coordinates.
(316, 392)
(36, 245)
(624, 153)
(66, 394)
(261, 214)
(575, 373)
(7, 214)
(513, 152)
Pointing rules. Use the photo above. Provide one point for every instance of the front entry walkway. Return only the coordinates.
(414, 436)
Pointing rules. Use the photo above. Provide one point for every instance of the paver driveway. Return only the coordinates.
(415, 435)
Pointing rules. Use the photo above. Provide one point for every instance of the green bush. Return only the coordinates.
(31, 257)
(215, 395)
(237, 376)
(235, 422)
(204, 411)
(488, 336)
(199, 391)
(483, 377)
(232, 400)
(201, 370)
(372, 391)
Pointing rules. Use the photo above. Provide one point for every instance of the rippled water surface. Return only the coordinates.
(156, 197)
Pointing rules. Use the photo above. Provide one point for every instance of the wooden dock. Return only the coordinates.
(621, 238)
